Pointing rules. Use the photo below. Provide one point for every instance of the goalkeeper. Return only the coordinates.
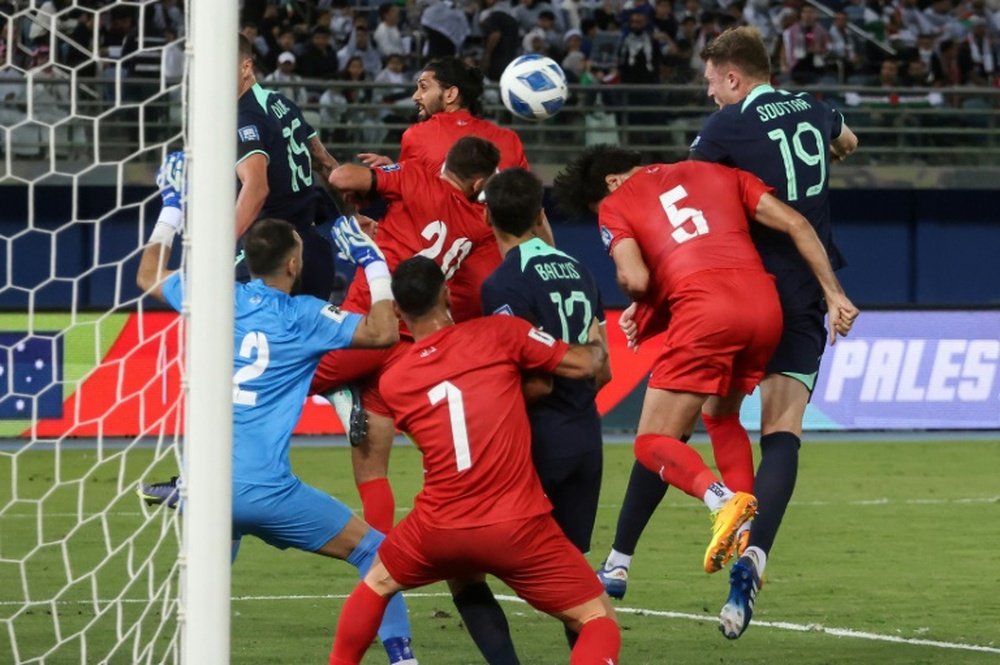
(278, 341)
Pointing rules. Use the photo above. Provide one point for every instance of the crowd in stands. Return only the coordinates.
(893, 44)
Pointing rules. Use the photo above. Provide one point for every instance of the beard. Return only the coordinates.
(424, 111)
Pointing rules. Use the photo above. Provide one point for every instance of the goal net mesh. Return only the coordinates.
(91, 100)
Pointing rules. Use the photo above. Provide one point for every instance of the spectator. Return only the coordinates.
(976, 55)
(350, 109)
(341, 23)
(500, 37)
(446, 28)
(388, 38)
(550, 32)
(912, 18)
(639, 62)
(397, 105)
(806, 44)
(757, 15)
(637, 7)
(665, 25)
(318, 60)
(286, 81)
(527, 13)
(360, 46)
(845, 51)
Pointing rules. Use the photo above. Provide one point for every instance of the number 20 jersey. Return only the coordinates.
(783, 139)
(457, 393)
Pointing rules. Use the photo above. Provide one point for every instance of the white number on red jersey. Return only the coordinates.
(680, 216)
(437, 233)
(456, 411)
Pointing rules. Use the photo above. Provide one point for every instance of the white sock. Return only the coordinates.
(616, 558)
(759, 558)
(341, 401)
(716, 496)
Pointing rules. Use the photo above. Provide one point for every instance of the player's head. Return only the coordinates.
(470, 163)
(446, 85)
(735, 62)
(246, 76)
(419, 290)
(597, 172)
(513, 201)
(273, 251)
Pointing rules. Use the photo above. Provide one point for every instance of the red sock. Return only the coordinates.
(731, 447)
(358, 624)
(378, 504)
(677, 464)
(598, 644)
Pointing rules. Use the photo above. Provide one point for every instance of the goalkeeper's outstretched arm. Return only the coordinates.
(152, 269)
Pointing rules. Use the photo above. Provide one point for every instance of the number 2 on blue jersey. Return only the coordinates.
(252, 341)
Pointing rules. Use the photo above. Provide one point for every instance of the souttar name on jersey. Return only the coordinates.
(773, 110)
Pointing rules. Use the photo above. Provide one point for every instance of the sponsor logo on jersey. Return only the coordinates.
(694, 144)
(606, 237)
(249, 133)
(428, 351)
(334, 313)
(505, 310)
(389, 168)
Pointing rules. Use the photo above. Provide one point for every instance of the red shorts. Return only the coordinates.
(362, 367)
(531, 555)
(724, 327)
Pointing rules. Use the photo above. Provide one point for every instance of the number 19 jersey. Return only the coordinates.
(457, 393)
(783, 139)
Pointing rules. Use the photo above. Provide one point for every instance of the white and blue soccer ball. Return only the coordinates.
(533, 87)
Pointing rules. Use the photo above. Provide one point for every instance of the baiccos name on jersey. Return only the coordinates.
(913, 370)
(557, 270)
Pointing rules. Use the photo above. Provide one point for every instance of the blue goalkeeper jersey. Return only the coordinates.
(783, 139)
(278, 341)
(556, 293)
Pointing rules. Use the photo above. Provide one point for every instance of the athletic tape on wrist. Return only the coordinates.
(172, 217)
(380, 288)
(376, 269)
(163, 234)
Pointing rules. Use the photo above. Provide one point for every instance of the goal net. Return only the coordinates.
(92, 97)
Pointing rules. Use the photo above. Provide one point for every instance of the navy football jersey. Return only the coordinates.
(270, 124)
(783, 139)
(556, 293)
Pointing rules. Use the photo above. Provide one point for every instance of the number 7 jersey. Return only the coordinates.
(783, 139)
(457, 393)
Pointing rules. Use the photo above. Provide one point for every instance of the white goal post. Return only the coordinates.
(205, 571)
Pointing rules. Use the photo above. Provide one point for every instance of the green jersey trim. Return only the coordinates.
(537, 247)
(808, 380)
(761, 89)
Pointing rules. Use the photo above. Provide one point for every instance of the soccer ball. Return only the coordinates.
(533, 87)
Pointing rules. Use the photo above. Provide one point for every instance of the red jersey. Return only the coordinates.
(457, 393)
(430, 217)
(686, 218)
(428, 142)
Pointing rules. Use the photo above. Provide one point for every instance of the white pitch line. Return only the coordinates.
(882, 501)
(638, 611)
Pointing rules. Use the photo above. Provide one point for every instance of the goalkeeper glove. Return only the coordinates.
(352, 243)
(170, 180)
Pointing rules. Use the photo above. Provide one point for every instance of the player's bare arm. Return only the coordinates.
(152, 270)
(252, 173)
(582, 361)
(372, 159)
(599, 334)
(322, 161)
(351, 178)
(632, 272)
(773, 213)
(379, 328)
(845, 144)
(535, 386)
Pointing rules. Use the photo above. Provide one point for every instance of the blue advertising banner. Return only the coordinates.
(908, 370)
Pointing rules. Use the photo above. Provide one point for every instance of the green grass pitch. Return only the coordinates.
(892, 540)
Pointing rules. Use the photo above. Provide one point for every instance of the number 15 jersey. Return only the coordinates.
(457, 393)
(783, 139)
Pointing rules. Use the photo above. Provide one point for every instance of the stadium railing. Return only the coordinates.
(937, 127)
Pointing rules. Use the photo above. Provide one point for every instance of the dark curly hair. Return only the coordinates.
(450, 71)
(580, 186)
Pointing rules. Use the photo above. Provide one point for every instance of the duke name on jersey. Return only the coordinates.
(556, 293)
(278, 341)
(272, 125)
(783, 139)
